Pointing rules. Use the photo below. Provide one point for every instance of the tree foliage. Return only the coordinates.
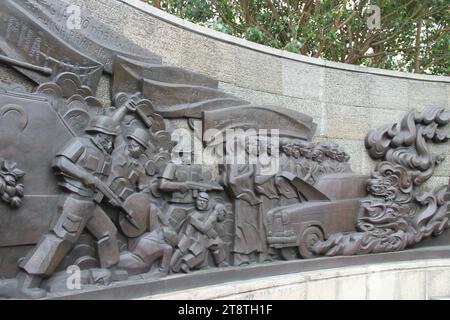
(413, 37)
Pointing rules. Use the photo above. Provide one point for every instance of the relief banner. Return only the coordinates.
(74, 25)
(25, 38)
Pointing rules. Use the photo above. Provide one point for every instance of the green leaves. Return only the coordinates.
(293, 46)
(219, 25)
(334, 29)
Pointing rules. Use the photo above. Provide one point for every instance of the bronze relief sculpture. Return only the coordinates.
(11, 191)
(106, 189)
(397, 214)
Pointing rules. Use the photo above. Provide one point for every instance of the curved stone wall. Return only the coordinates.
(345, 100)
(412, 280)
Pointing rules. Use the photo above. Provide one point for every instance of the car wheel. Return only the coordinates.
(309, 237)
(289, 253)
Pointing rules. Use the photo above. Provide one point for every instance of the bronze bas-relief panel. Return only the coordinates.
(101, 187)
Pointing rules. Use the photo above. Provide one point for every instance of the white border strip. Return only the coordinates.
(207, 32)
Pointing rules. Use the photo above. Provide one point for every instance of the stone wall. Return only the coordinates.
(345, 100)
(412, 280)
